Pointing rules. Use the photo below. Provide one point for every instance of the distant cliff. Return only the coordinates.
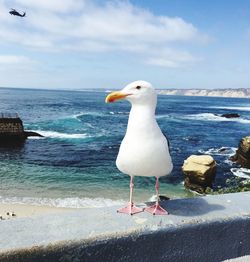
(241, 92)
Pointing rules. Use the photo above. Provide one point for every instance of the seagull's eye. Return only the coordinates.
(138, 87)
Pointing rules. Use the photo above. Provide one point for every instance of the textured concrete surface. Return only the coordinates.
(212, 228)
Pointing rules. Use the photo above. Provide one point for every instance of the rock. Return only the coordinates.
(222, 149)
(231, 115)
(242, 156)
(199, 172)
(31, 133)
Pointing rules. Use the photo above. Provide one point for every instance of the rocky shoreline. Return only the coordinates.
(200, 171)
(242, 156)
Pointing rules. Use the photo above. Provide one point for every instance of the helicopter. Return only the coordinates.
(14, 12)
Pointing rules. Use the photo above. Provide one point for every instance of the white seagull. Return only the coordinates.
(144, 150)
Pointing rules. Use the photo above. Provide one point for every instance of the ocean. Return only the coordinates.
(74, 164)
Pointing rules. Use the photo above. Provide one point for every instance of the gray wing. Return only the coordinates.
(168, 142)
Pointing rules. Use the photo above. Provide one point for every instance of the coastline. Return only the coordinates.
(76, 159)
(230, 93)
(27, 210)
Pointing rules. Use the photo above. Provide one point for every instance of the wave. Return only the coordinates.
(228, 162)
(118, 113)
(163, 116)
(35, 137)
(77, 116)
(82, 114)
(70, 202)
(54, 134)
(239, 108)
(212, 117)
(241, 172)
(222, 151)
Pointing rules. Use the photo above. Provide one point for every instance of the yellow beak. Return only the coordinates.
(114, 96)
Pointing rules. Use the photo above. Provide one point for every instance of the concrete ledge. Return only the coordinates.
(212, 228)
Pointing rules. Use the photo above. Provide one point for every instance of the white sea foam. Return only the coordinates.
(54, 134)
(222, 151)
(76, 116)
(241, 172)
(119, 113)
(163, 116)
(212, 117)
(73, 202)
(81, 114)
(239, 108)
(228, 162)
(35, 137)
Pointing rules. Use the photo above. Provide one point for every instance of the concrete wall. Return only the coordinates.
(213, 228)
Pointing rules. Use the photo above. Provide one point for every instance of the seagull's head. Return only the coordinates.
(138, 92)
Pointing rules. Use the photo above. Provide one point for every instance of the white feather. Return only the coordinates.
(144, 150)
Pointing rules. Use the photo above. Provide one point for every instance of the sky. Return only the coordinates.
(85, 44)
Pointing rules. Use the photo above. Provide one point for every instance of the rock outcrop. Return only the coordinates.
(230, 115)
(199, 172)
(242, 156)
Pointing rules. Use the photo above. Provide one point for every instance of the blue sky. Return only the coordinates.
(76, 44)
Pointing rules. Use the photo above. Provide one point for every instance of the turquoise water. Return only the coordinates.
(74, 164)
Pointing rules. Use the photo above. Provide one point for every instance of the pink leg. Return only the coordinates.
(156, 209)
(130, 209)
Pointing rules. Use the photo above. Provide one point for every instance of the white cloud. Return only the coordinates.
(172, 59)
(57, 6)
(162, 62)
(14, 59)
(86, 26)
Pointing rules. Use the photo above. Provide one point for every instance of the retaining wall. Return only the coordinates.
(11, 125)
(212, 228)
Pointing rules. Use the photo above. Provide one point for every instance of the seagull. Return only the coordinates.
(144, 150)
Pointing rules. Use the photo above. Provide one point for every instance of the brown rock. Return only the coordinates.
(242, 156)
(199, 172)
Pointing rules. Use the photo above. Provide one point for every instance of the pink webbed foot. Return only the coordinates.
(130, 209)
(156, 209)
